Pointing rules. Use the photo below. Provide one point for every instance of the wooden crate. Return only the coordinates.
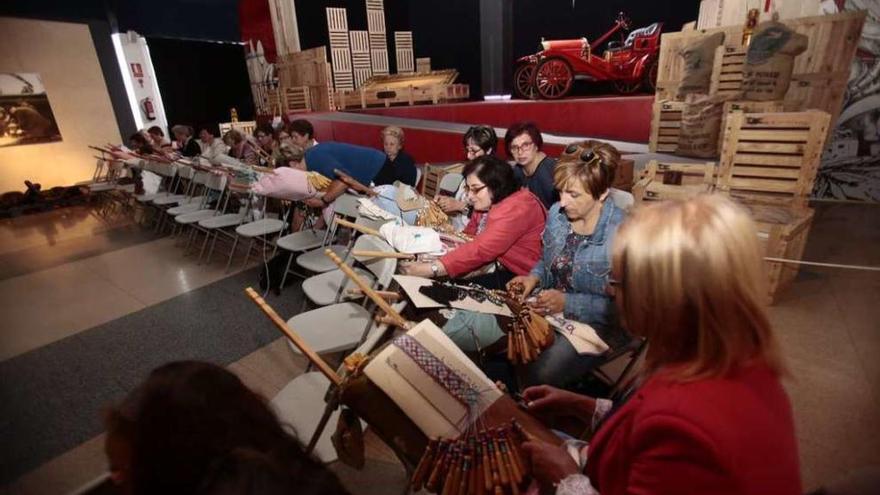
(624, 175)
(664, 180)
(727, 71)
(783, 234)
(434, 173)
(665, 126)
(772, 158)
(747, 107)
(308, 68)
(820, 74)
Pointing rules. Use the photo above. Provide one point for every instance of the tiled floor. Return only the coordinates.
(827, 324)
(44, 306)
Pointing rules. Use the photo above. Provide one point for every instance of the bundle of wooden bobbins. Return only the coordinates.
(529, 333)
(431, 216)
(484, 461)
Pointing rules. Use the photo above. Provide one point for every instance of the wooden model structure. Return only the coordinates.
(432, 87)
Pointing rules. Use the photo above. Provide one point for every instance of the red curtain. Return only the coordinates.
(256, 24)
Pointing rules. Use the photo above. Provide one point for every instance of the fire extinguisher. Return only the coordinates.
(147, 108)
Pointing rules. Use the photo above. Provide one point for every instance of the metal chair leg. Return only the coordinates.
(247, 254)
(331, 406)
(232, 252)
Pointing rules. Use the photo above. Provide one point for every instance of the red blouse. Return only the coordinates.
(512, 236)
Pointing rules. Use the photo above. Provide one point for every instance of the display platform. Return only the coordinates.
(433, 133)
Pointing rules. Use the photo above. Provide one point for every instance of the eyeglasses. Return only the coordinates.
(523, 147)
(472, 151)
(473, 190)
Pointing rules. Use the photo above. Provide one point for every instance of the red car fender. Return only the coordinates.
(643, 63)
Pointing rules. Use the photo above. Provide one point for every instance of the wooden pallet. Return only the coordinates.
(663, 180)
(772, 158)
(665, 126)
(434, 87)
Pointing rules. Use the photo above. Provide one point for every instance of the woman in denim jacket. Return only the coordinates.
(573, 272)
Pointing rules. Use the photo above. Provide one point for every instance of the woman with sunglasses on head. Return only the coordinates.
(506, 224)
(709, 414)
(572, 274)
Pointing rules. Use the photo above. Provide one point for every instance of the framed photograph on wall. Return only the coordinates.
(25, 114)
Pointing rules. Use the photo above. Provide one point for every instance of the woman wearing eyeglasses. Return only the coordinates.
(534, 169)
(710, 414)
(479, 140)
(506, 224)
(571, 277)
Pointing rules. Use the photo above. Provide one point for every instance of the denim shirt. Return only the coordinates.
(587, 300)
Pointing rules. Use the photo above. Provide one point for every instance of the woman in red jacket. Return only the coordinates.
(507, 224)
(710, 414)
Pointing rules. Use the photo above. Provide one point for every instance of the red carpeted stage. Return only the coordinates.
(433, 132)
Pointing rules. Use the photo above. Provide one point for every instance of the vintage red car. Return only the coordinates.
(629, 64)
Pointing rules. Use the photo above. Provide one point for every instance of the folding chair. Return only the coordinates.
(299, 403)
(320, 327)
(259, 230)
(328, 287)
(315, 261)
(450, 183)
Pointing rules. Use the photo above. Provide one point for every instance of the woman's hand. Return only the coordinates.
(418, 269)
(550, 463)
(528, 282)
(314, 203)
(450, 205)
(550, 302)
(550, 402)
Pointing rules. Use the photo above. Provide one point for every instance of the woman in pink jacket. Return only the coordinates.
(507, 224)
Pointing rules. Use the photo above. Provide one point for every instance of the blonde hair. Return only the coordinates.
(393, 131)
(692, 283)
(591, 162)
(233, 137)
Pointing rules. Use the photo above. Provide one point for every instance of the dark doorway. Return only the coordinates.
(201, 81)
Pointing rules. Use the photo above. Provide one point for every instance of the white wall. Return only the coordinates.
(64, 56)
(135, 51)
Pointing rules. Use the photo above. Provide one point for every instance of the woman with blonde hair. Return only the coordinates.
(398, 166)
(240, 148)
(710, 414)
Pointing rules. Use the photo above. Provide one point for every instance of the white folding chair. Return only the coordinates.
(331, 287)
(321, 328)
(217, 226)
(260, 230)
(300, 403)
(216, 188)
(450, 183)
(315, 261)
